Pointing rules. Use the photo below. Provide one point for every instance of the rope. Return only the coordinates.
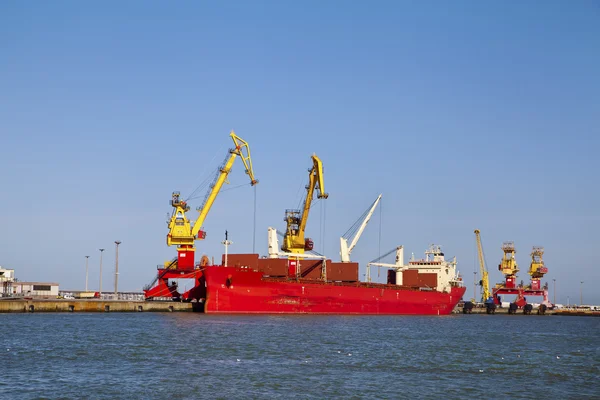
(315, 253)
(380, 221)
(235, 187)
(383, 256)
(324, 224)
(354, 228)
(321, 225)
(194, 192)
(299, 196)
(254, 224)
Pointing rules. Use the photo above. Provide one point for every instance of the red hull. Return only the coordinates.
(233, 290)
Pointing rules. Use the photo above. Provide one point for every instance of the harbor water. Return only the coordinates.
(193, 356)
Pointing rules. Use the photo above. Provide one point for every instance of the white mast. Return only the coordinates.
(273, 243)
(226, 242)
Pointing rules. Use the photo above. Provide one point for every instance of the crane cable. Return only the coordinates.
(383, 256)
(321, 225)
(195, 194)
(203, 183)
(380, 223)
(324, 205)
(354, 228)
(254, 225)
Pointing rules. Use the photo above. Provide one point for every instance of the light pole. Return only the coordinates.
(581, 294)
(100, 286)
(86, 273)
(554, 280)
(117, 243)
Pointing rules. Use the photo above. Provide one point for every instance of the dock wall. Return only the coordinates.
(20, 306)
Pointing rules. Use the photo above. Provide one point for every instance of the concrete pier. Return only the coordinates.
(91, 305)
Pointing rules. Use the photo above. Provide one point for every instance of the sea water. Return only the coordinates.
(197, 356)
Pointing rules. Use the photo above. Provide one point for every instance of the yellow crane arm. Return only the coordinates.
(296, 225)
(485, 283)
(242, 150)
(315, 178)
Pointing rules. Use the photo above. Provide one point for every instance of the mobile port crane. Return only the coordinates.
(484, 282)
(293, 240)
(183, 233)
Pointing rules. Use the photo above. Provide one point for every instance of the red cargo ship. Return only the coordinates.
(241, 290)
(253, 285)
(293, 279)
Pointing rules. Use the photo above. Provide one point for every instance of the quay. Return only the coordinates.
(560, 312)
(91, 305)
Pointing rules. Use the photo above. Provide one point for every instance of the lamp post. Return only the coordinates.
(117, 243)
(86, 272)
(581, 294)
(554, 280)
(100, 286)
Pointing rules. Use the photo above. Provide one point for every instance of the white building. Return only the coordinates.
(7, 277)
(35, 289)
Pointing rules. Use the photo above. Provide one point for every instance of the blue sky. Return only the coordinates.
(463, 114)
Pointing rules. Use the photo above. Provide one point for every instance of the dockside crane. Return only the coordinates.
(181, 232)
(398, 266)
(485, 281)
(294, 240)
(355, 232)
(537, 268)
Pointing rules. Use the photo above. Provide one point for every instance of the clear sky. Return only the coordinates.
(463, 114)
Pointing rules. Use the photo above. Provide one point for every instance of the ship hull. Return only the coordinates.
(233, 290)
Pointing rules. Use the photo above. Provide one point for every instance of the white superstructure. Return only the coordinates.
(435, 263)
(433, 272)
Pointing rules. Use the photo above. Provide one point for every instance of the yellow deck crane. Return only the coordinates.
(293, 240)
(181, 232)
(485, 281)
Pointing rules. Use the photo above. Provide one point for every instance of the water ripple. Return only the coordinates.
(190, 356)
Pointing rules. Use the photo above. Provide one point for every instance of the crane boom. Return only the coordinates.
(294, 241)
(181, 232)
(398, 265)
(346, 250)
(485, 283)
(238, 150)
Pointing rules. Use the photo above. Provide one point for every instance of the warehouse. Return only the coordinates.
(35, 289)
